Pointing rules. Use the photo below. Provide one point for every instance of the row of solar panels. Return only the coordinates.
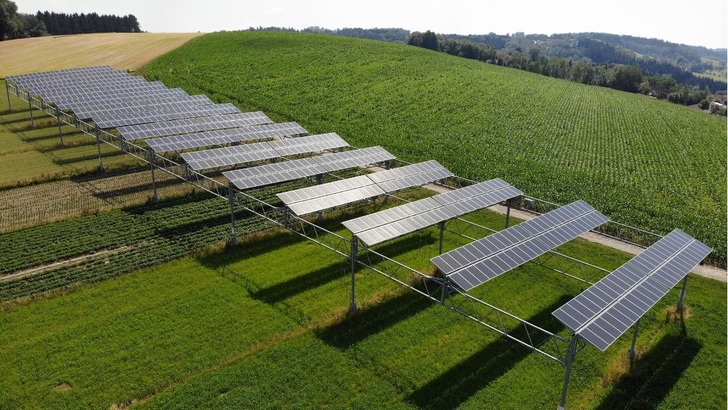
(170, 120)
(144, 110)
(114, 99)
(601, 314)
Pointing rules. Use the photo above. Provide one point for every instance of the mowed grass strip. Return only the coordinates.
(265, 325)
(641, 161)
(122, 51)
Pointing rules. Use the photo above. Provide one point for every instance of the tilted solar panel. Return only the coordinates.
(269, 174)
(187, 126)
(602, 313)
(480, 261)
(391, 223)
(226, 136)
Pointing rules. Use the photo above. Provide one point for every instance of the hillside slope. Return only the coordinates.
(641, 161)
(122, 51)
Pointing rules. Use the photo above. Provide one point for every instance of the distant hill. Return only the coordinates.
(688, 65)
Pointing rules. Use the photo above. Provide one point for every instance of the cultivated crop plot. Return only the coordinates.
(365, 225)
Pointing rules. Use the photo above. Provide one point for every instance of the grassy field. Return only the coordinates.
(264, 325)
(248, 329)
(641, 161)
(122, 51)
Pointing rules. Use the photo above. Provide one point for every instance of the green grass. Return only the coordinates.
(32, 155)
(264, 326)
(641, 161)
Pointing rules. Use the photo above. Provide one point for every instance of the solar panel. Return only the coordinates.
(187, 126)
(226, 136)
(92, 98)
(394, 222)
(487, 258)
(269, 174)
(316, 198)
(304, 145)
(409, 176)
(157, 114)
(128, 105)
(278, 172)
(240, 154)
(602, 313)
(355, 158)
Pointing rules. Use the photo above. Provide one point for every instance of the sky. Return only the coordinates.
(684, 22)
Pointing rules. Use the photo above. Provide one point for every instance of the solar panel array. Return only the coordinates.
(480, 261)
(269, 174)
(394, 222)
(602, 313)
(241, 154)
(86, 110)
(190, 125)
(312, 199)
(226, 136)
(138, 108)
(317, 198)
(158, 113)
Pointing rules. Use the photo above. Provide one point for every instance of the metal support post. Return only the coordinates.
(508, 213)
(354, 251)
(631, 352)
(58, 120)
(683, 292)
(286, 217)
(98, 148)
(444, 292)
(441, 225)
(7, 90)
(155, 198)
(570, 353)
(30, 110)
(319, 179)
(231, 199)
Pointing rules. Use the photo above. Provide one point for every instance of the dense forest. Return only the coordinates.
(19, 25)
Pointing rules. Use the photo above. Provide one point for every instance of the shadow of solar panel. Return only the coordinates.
(602, 313)
(487, 258)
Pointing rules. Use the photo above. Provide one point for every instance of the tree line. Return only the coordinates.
(60, 23)
(20, 25)
(609, 70)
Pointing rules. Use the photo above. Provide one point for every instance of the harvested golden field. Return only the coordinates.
(122, 51)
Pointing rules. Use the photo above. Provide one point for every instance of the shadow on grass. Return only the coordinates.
(89, 157)
(373, 319)
(300, 284)
(653, 376)
(458, 384)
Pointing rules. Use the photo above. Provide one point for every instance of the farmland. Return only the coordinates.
(640, 161)
(123, 51)
(247, 328)
(144, 305)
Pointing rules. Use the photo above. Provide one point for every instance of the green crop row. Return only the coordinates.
(643, 162)
(154, 250)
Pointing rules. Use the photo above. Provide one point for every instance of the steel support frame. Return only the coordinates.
(435, 289)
